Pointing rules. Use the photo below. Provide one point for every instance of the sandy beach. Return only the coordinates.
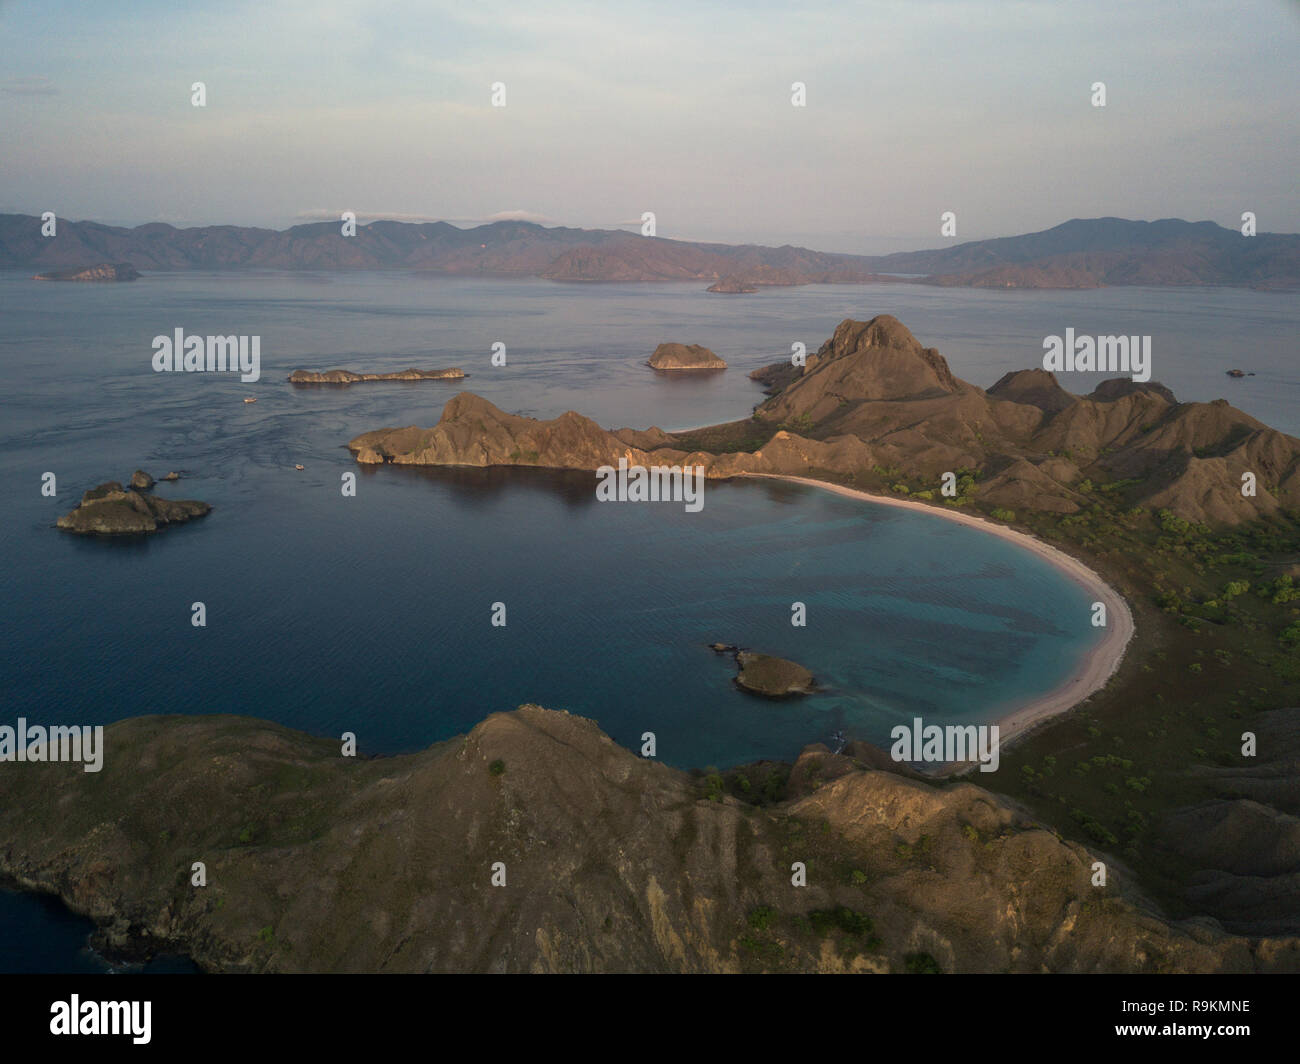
(1093, 672)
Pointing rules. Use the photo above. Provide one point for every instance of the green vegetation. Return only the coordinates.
(497, 768)
(799, 424)
(1218, 642)
(921, 964)
(853, 924)
(714, 785)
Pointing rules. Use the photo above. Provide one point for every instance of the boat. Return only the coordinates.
(250, 399)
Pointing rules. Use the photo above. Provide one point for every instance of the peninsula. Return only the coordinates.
(1132, 494)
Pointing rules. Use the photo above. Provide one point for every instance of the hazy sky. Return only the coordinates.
(914, 107)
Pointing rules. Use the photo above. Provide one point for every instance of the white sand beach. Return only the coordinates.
(1093, 672)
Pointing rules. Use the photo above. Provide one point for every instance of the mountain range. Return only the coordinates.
(1083, 253)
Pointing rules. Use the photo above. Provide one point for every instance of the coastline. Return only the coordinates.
(1086, 679)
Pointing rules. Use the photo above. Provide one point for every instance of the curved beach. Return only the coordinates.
(1091, 674)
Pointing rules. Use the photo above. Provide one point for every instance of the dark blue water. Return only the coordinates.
(372, 614)
(39, 936)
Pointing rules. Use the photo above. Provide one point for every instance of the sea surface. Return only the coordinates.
(372, 613)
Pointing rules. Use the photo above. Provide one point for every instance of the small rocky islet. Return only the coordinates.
(347, 376)
(103, 271)
(771, 677)
(674, 358)
(112, 510)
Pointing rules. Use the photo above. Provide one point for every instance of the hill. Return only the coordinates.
(611, 862)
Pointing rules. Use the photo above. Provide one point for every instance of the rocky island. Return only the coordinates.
(347, 376)
(110, 509)
(104, 271)
(684, 357)
(762, 674)
(732, 286)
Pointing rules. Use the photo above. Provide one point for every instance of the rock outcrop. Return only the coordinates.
(684, 357)
(104, 271)
(110, 509)
(347, 376)
(321, 863)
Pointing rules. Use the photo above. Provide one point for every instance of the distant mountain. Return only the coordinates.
(502, 248)
(1092, 252)
(1077, 254)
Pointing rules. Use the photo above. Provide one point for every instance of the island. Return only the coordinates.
(110, 509)
(762, 674)
(347, 376)
(732, 286)
(673, 358)
(104, 271)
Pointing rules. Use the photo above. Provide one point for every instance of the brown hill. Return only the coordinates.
(1035, 387)
(473, 432)
(612, 862)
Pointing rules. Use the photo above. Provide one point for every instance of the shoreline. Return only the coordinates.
(1086, 679)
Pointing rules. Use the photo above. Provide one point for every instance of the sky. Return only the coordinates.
(913, 108)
